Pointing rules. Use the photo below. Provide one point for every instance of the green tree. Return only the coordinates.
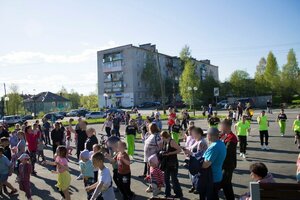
(15, 103)
(271, 74)
(74, 97)
(290, 76)
(63, 92)
(185, 54)
(261, 87)
(208, 86)
(189, 78)
(238, 81)
(90, 101)
(150, 76)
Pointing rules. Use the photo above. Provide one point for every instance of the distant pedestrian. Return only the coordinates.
(263, 123)
(108, 125)
(117, 125)
(269, 106)
(296, 127)
(210, 110)
(281, 119)
(46, 130)
(241, 129)
(240, 110)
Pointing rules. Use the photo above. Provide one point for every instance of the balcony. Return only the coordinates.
(113, 66)
(110, 87)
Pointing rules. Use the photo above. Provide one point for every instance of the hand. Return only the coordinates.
(87, 189)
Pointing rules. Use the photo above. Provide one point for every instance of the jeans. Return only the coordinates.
(243, 143)
(47, 137)
(173, 174)
(107, 130)
(227, 184)
(32, 155)
(117, 129)
(216, 190)
(262, 135)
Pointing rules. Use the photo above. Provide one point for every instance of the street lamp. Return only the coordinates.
(174, 90)
(193, 89)
(105, 96)
(6, 99)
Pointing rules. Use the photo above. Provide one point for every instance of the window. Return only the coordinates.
(114, 76)
(110, 57)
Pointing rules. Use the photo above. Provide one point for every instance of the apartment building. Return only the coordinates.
(120, 70)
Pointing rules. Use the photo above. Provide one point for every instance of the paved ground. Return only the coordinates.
(280, 161)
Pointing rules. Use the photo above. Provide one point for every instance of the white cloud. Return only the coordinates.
(30, 57)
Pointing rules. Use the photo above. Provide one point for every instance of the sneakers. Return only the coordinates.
(243, 155)
(149, 189)
(191, 190)
(282, 134)
(262, 147)
(80, 177)
(267, 147)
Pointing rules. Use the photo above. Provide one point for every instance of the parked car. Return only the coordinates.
(115, 111)
(54, 116)
(177, 104)
(27, 117)
(95, 115)
(62, 113)
(82, 112)
(72, 113)
(222, 104)
(149, 104)
(12, 120)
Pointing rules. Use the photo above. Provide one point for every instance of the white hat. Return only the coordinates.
(24, 156)
(85, 154)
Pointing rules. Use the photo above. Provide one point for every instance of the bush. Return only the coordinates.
(296, 102)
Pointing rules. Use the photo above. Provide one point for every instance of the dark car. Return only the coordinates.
(82, 112)
(115, 111)
(149, 104)
(72, 113)
(55, 116)
(177, 104)
(63, 113)
(27, 117)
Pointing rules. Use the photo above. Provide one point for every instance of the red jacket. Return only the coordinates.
(32, 140)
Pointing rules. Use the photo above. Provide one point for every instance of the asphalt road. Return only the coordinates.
(281, 161)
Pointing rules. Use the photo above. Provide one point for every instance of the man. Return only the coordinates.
(158, 122)
(3, 132)
(210, 110)
(269, 106)
(46, 128)
(214, 120)
(116, 125)
(214, 157)
(263, 122)
(229, 164)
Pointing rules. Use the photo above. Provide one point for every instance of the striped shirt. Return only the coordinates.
(157, 176)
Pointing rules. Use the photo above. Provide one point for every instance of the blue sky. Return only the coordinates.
(49, 44)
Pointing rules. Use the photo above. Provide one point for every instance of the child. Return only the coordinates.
(241, 130)
(96, 148)
(40, 149)
(13, 139)
(5, 171)
(130, 133)
(124, 173)
(68, 141)
(298, 169)
(296, 127)
(32, 141)
(24, 175)
(91, 139)
(62, 169)
(5, 144)
(87, 170)
(281, 119)
(175, 129)
(103, 188)
(156, 177)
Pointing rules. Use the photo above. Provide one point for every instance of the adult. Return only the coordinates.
(240, 110)
(185, 119)
(210, 110)
(169, 163)
(214, 157)
(108, 125)
(263, 123)
(196, 149)
(269, 106)
(241, 129)
(3, 131)
(127, 117)
(171, 118)
(82, 136)
(57, 137)
(130, 133)
(157, 113)
(230, 161)
(214, 120)
(296, 129)
(281, 119)
(91, 139)
(117, 124)
(153, 144)
(32, 136)
(46, 130)
(158, 122)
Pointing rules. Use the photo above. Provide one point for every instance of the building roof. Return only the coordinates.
(46, 97)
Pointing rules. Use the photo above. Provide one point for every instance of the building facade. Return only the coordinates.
(120, 71)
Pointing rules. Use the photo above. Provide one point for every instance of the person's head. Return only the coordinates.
(79, 119)
(35, 126)
(258, 171)
(1, 127)
(96, 148)
(226, 126)
(85, 155)
(189, 130)
(153, 160)
(1, 151)
(282, 111)
(113, 132)
(21, 135)
(156, 117)
(212, 134)
(191, 123)
(262, 113)
(121, 146)
(28, 129)
(4, 142)
(37, 121)
(25, 123)
(90, 132)
(177, 121)
(61, 151)
(165, 135)
(215, 114)
(298, 116)
(98, 160)
(153, 128)
(197, 133)
(210, 105)
(24, 158)
(83, 124)
(57, 125)
(244, 118)
(17, 126)
(131, 122)
(71, 120)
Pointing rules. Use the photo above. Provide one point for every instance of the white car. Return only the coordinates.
(95, 115)
(12, 120)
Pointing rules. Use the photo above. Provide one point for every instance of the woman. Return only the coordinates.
(281, 119)
(197, 149)
(57, 137)
(91, 139)
(185, 119)
(241, 129)
(153, 144)
(108, 126)
(169, 164)
(82, 136)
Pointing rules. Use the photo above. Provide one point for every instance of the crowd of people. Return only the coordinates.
(210, 156)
